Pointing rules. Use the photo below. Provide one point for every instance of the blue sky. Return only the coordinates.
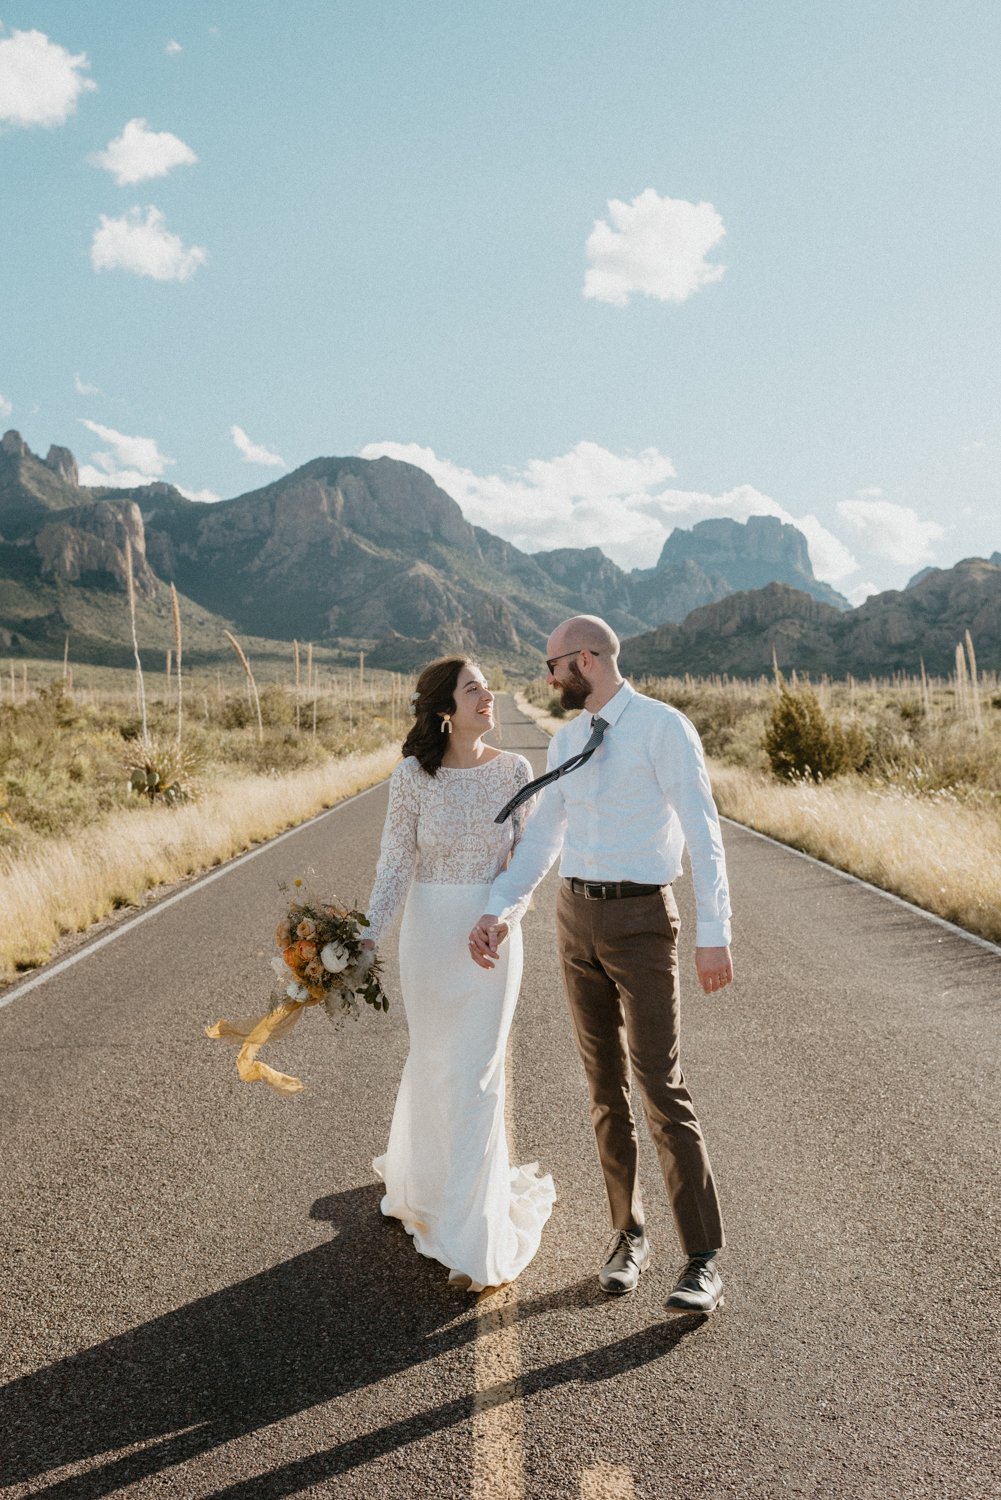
(603, 270)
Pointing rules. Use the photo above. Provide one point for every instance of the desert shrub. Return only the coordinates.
(277, 709)
(801, 741)
(161, 771)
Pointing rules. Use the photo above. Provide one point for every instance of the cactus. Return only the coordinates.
(161, 772)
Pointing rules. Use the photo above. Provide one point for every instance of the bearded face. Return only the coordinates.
(576, 690)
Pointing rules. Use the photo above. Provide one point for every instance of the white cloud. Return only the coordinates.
(144, 246)
(173, 48)
(116, 479)
(653, 246)
(892, 531)
(83, 389)
(5, 408)
(861, 592)
(140, 153)
(131, 461)
(254, 453)
(40, 82)
(591, 497)
(831, 559)
(209, 496)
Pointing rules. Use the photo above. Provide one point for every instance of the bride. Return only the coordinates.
(446, 1170)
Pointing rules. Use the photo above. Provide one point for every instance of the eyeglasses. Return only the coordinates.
(552, 660)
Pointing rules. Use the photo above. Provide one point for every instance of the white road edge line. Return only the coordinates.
(919, 911)
(153, 911)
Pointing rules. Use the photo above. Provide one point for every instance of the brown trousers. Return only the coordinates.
(620, 966)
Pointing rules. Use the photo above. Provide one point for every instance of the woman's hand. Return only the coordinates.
(485, 939)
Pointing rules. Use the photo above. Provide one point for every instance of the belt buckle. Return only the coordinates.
(597, 887)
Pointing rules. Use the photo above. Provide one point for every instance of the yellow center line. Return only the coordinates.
(498, 1425)
(498, 1429)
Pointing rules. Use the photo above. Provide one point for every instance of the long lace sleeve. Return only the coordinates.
(521, 815)
(519, 819)
(398, 854)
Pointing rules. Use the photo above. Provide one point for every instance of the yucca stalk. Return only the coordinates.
(176, 611)
(66, 658)
(250, 678)
(140, 685)
(974, 685)
(960, 681)
(295, 655)
(925, 691)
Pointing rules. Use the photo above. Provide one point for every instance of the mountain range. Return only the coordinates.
(891, 632)
(371, 552)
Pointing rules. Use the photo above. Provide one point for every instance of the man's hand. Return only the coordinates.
(484, 940)
(714, 968)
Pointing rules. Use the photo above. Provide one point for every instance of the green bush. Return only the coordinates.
(802, 742)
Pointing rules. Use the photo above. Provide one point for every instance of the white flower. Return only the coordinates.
(296, 991)
(334, 958)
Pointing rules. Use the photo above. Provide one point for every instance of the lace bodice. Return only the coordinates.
(441, 830)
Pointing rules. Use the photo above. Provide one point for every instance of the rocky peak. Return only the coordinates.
(758, 539)
(62, 462)
(13, 443)
(91, 540)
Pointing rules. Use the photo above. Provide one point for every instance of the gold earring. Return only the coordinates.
(446, 723)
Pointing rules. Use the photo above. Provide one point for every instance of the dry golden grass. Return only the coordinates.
(941, 854)
(63, 886)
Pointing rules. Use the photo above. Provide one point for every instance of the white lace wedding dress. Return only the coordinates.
(446, 1170)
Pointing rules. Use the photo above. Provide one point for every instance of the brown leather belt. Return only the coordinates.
(609, 890)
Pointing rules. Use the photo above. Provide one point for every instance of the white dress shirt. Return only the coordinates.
(627, 813)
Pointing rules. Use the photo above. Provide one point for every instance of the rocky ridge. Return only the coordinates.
(373, 552)
(891, 632)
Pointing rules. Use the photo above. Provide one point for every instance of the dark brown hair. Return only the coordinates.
(428, 740)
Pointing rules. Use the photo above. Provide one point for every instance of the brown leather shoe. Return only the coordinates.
(628, 1255)
(699, 1288)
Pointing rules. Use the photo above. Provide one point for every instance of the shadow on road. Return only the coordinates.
(335, 1319)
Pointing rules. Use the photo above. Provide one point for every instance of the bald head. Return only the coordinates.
(584, 653)
(585, 632)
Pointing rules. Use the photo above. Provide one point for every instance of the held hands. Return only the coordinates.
(485, 939)
(714, 968)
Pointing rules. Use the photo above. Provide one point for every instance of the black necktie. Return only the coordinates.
(598, 727)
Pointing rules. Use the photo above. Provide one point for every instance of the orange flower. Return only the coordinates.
(291, 955)
(283, 933)
(306, 951)
(306, 928)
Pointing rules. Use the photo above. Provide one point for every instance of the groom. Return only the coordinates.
(632, 792)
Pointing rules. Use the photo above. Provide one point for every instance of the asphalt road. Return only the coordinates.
(200, 1297)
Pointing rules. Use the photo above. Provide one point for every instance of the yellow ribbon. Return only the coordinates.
(252, 1034)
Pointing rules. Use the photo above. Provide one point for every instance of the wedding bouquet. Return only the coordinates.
(320, 961)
